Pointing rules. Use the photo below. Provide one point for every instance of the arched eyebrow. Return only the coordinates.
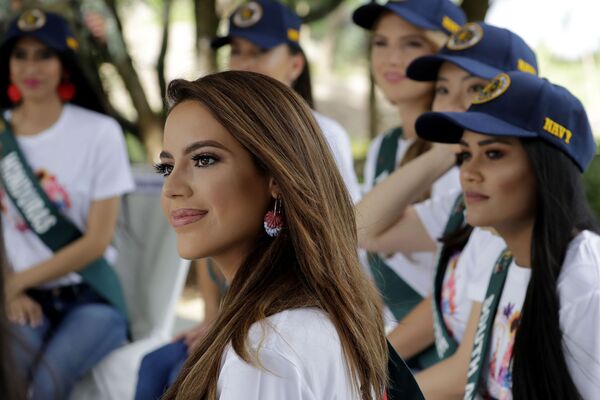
(487, 142)
(195, 146)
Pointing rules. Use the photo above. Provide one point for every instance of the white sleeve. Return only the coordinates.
(435, 212)
(580, 324)
(449, 182)
(112, 172)
(371, 163)
(278, 379)
(339, 144)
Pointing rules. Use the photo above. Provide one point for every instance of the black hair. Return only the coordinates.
(303, 84)
(539, 365)
(85, 96)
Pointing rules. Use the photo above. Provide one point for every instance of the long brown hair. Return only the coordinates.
(313, 262)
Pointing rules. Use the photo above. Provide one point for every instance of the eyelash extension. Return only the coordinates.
(162, 169)
(199, 157)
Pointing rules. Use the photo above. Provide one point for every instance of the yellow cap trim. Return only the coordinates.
(524, 66)
(450, 24)
(72, 43)
(293, 35)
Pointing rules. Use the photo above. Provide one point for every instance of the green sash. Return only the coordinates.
(46, 221)
(445, 344)
(398, 295)
(485, 324)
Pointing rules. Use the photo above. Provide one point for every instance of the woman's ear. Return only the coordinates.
(296, 67)
(274, 188)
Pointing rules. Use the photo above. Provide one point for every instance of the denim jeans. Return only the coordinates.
(78, 329)
(159, 370)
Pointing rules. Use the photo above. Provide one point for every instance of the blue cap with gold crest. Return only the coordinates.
(436, 15)
(519, 104)
(47, 27)
(266, 23)
(480, 49)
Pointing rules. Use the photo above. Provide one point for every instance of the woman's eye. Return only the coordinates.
(441, 90)
(476, 88)
(378, 43)
(163, 169)
(416, 44)
(19, 54)
(494, 154)
(462, 157)
(204, 160)
(46, 54)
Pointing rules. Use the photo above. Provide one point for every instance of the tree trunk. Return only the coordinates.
(207, 22)
(160, 63)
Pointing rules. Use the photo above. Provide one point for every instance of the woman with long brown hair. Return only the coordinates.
(250, 182)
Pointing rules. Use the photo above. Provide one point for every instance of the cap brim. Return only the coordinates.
(263, 41)
(366, 16)
(449, 127)
(427, 68)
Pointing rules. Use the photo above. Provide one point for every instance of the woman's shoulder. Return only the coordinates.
(291, 329)
(580, 275)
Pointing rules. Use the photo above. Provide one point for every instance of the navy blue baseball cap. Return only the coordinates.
(435, 15)
(47, 27)
(480, 49)
(266, 23)
(519, 104)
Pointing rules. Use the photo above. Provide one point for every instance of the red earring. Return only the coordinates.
(13, 93)
(66, 91)
(274, 220)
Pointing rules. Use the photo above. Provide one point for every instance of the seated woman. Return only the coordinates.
(472, 56)
(251, 183)
(64, 168)
(524, 144)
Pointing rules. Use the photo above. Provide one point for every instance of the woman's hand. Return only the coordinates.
(13, 286)
(24, 310)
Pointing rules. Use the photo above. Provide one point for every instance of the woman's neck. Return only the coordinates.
(31, 118)
(409, 112)
(518, 240)
(230, 262)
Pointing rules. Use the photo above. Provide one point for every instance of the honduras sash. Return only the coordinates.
(46, 221)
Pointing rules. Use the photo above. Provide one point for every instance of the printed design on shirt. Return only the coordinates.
(500, 365)
(449, 291)
(55, 191)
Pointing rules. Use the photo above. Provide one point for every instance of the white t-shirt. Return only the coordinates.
(417, 268)
(579, 296)
(463, 275)
(301, 356)
(340, 146)
(79, 159)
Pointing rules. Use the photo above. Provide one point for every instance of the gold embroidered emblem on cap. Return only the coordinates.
(494, 89)
(556, 129)
(467, 36)
(31, 20)
(248, 15)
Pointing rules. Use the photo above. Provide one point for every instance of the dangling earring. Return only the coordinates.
(66, 90)
(13, 93)
(274, 219)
